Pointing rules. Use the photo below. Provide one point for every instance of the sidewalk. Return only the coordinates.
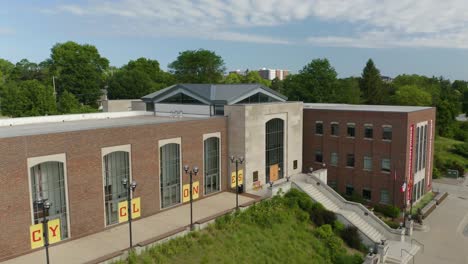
(92, 247)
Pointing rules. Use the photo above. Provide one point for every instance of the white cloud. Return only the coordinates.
(373, 23)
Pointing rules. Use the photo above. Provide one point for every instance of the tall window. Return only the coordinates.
(319, 128)
(334, 159)
(384, 197)
(170, 174)
(386, 165)
(334, 129)
(47, 182)
(367, 163)
(350, 160)
(387, 133)
(351, 130)
(368, 132)
(116, 168)
(274, 146)
(366, 194)
(318, 156)
(349, 190)
(211, 168)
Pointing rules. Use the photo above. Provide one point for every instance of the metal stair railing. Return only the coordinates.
(417, 242)
(412, 256)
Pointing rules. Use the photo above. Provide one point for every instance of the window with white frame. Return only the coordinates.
(351, 130)
(116, 168)
(384, 197)
(386, 165)
(170, 174)
(368, 131)
(368, 163)
(334, 159)
(387, 132)
(319, 128)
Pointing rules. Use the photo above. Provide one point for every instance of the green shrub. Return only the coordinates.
(355, 198)
(321, 216)
(392, 224)
(388, 210)
(348, 259)
(461, 149)
(350, 236)
(338, 227)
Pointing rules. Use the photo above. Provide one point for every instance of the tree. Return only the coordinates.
(28, 98)
(412, 95)
(316, 82)
(80, 70)
(371, 84)
(348, 91)
(5, 69)
(138, 78)
(254, 77)
(68, 103)
(465, 102)
(445, 119)
(277, 85)
(232, 78)
(198, 66)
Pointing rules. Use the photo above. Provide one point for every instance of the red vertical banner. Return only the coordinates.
(409, 192)
(429, 156)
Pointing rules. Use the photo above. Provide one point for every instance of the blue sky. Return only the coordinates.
(427, 37)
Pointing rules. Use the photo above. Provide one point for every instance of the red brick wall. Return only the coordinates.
(375, 180)
(84, 173)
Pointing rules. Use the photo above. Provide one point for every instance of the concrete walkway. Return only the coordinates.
(92, 247)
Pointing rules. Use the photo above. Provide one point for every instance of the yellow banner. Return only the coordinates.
(240, 180)
(54, 232)
(136, 208)
(123, 212)
(274, 172)
(186, 191)
(36, 236)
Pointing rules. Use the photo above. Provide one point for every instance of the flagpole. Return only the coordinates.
(394, 183)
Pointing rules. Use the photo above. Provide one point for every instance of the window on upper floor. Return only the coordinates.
(366, 194)
(386, 165)
(368, 132)
(367, 163)
(350, 160)
(387, 132)
(351, 130)
(318, 156)
(319, 128)
(334, 159)
(334, 129)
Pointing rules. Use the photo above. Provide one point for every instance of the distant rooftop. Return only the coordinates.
(369, 108)
(209, 93)
(95, 121)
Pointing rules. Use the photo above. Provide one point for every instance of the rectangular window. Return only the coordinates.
(318, 156)
(367, 163)
(334, 129)
(351, 131)
(368, 132)
(116, 169)
(255, 176)
(384, 197)
(169, 157)
(387, 132)
(366, 194)
(386, 165)
(319, 128)
(349, 190)
(332, 184)
(294, 164)
(350, 160)
(334, 159)
(219, 109)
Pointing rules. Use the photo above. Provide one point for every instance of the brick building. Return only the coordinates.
(371, 150)
(78, 162)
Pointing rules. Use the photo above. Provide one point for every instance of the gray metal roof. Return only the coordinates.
(366, 108)
(90, 124)
(228, 93)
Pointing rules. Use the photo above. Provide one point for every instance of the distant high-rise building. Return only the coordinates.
(270, 74)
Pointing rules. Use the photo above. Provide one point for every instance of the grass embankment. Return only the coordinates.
(273, 231)
(446, 157)
(423, 202)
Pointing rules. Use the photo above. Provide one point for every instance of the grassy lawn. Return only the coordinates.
(273, 231)
(444, 155)
(423, 202)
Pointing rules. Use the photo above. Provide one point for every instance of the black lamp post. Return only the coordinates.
(237, 160)
(191, 172)
(130, 189)
(45, 210)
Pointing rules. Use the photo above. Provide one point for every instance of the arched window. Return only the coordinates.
(116, 168)
(274, 149)
(48, 182)
(211, 164)
(170, 174)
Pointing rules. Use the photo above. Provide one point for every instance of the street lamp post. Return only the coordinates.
(191, 172)
(130, 189)
(237, 160)
(45, 209)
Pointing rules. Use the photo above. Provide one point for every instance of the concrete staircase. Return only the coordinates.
(372, 230)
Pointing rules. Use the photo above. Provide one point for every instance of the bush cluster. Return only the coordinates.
(388, 210)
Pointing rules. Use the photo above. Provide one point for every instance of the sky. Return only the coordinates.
(428, 37)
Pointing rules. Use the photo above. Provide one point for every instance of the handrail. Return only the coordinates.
(363, 208)
(401, 254)
(419, 243)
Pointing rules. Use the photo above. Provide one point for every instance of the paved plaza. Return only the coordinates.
(447, 240)
(112, 240)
